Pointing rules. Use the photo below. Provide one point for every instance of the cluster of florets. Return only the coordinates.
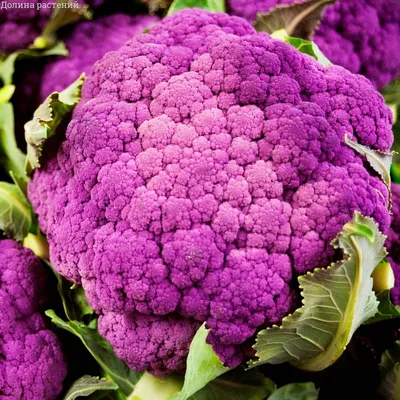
(204, 168)
(87, 43)
(360, 35)
(31, 361)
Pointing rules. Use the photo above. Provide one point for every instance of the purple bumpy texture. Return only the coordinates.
(87, 43)
(360, 35)
(204, 166)
(31, 361)
(393, 243)
(20, 26)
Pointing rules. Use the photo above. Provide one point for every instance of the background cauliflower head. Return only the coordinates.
(21, 21)
(205, 167)
(360, 35)
(20, 26)
(31, 362)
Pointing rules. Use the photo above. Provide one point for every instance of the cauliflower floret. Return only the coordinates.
(151, 343)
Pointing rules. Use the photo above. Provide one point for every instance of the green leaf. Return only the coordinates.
(202, 366)
(6, 92)
(21, 182)
(299, 19)
(152, 387)
(155, 5)
(62, 16)
(391, 93)
(237, 385)
(47, 118)
(209, 5)
(310, 48)
(390, 358)
(395, 172)
(74, 300)
(395, 108)
(386, 309)
(107, 395)
(78, 298)
(389, 387)
(87, 385)
(336, 301)
(11, 157)
(378, 160)
(102, 352)
(7, 66)
(396, 148)
(15, 212)
(296, 391)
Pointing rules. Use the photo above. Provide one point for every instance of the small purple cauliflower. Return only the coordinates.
(22, 21)
(393, 243)
(20, 26)
(204, 168)
(109, 33)
(31, 361)
(360, 35)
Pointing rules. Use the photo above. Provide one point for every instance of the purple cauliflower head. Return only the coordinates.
(31, 362)
(360, 35)
(203, 169)
(393, 242)
(22, 21)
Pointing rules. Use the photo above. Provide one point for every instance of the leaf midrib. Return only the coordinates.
(342, 333)
(19, 203)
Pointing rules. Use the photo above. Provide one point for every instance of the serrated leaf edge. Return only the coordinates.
(346, 257)
(386, 180)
